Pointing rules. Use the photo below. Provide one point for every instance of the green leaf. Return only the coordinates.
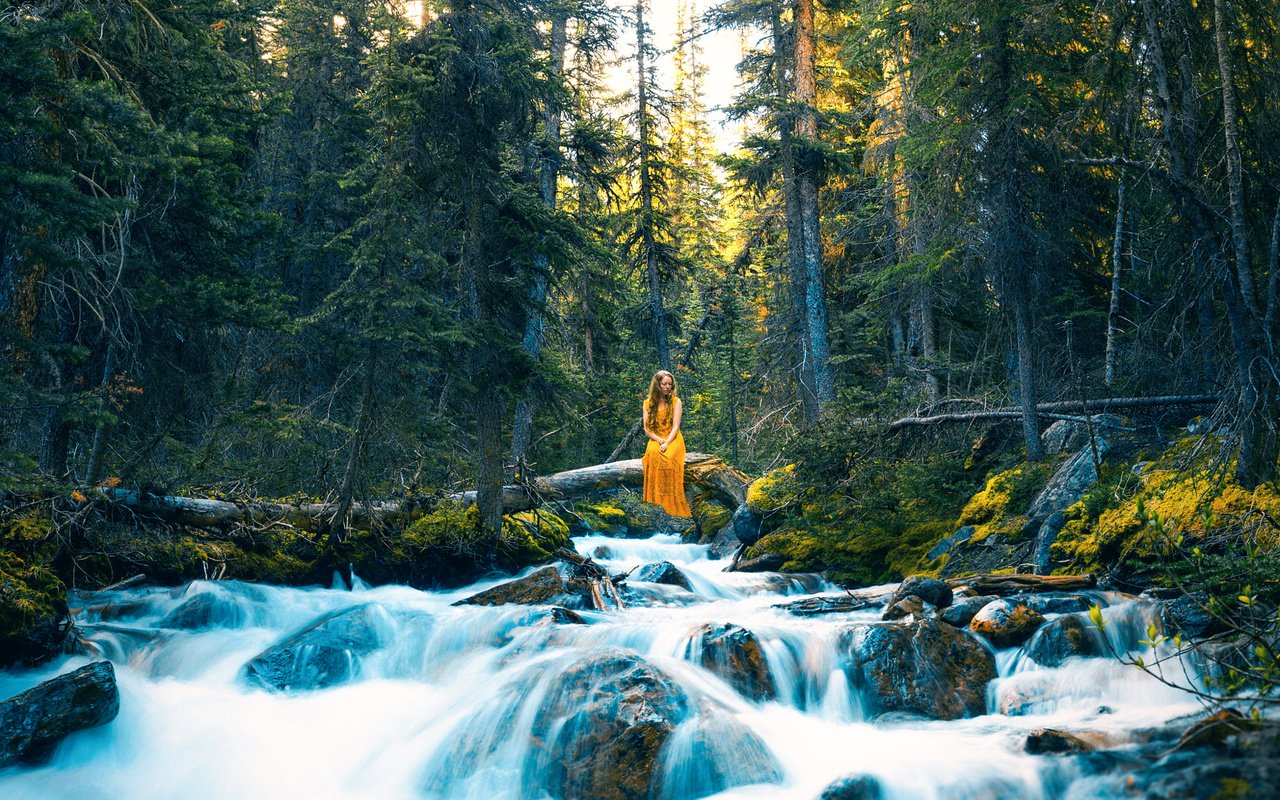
(1095, 616)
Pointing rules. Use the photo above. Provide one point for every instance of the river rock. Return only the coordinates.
(767, 562)
(734, 653)
(204, 610)
(325, 653)
(962, 611)
(602, 553)
(931, 590)
(854, 787)
(1062, 638)
(747, 525)
(909, 607)
(1005, 623)
(1189, 616)
(613, 715)
(663, 572)
(1043, 741)
(928, 669)
(543, 586)
(1050, 603)
(32, 723)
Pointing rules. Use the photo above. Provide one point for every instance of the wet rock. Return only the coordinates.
(1069, 483)
(326, 653)
(543, 586)
(602, 552)
(564, 616)
(1247, 767)
(909, 607)
(1062, 638)
(662, 572)
(931, 590)
(1044, 741)
(612, 716)
(943, 547)
(711, 752)
(747, 525)
(962, 611)
(32, 723)
(734, 653)
(768, 562)
(1005, 623)
(1048, 603)
(1189, 616)
(854, 787)
(929, 669)
(204, 610)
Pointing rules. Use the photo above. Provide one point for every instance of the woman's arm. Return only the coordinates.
(644, 416)
(675, 424)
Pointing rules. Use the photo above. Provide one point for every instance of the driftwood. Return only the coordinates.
(726, 482)
(1051, 409)
(600, 588)
(1000, 584)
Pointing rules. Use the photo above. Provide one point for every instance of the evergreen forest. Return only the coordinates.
(351, 255)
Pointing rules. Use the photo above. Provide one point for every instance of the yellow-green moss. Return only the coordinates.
(32, 604)
(602, 516)
(710, 514)
(773, 491)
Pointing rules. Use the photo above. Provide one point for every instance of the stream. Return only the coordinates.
(461, 702)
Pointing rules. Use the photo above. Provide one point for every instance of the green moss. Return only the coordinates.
(773, 491)
(709, 514)
(32, 608)
(602, 516)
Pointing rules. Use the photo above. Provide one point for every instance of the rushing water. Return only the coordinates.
(444, 708)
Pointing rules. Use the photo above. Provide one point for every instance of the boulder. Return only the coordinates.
(1043, 741)
(1006, 623)
(204, 610)
(734, 653)
(543, 586)
(909, 607)
(929, 669)
(1062, 638)
(325, 653)
(32, 723)
(1189, 616)
(1069, 483)
(723, 543)
(603, 731)
(943, 547)
(766, 562)
(854, 787)
(663, 572)
(962, 611)
(931, 590)
(747, 525)
(603, 553)
(564, 616)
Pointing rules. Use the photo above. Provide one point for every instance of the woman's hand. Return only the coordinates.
(662, 448)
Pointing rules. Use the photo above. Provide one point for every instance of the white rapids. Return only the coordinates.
(191, 726)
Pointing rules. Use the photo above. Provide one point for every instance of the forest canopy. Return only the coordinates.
(353, 251)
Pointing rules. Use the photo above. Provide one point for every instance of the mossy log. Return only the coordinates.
(1002, 584)
(725, 481)
(1057, 409)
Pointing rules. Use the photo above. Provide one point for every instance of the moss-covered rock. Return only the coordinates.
(773, 492)
(33, 611)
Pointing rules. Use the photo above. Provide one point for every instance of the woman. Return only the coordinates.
(664, 456)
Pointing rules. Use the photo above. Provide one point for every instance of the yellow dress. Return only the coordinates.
(664, 472)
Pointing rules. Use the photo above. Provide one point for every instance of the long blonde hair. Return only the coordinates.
(655, 394)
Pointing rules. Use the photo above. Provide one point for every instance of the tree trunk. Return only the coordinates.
(795, 234)
(355, 456)
(522, 429)
(806, 99)
(1235, 170)
(647, 238)
(1113, 309)
(101, 431)
(1026, 377)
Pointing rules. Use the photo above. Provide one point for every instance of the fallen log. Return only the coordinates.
(726, 482)
(1001, 584)
(1049, 409)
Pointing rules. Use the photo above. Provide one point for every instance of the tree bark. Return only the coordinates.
(1113, 309)
(724, 481)
(522, 429)
(807, 168)
(337, 524)
(647, 238)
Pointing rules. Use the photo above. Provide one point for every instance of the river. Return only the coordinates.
(445, 706)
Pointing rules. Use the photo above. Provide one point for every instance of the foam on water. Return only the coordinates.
(445, 707)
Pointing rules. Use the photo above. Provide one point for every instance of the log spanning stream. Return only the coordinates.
(412, 696)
